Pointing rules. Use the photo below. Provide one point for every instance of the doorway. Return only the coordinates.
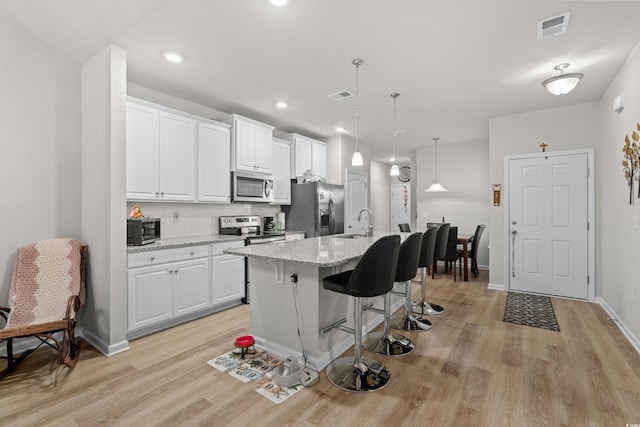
(400, 205)
(355, 200)
(549, 223)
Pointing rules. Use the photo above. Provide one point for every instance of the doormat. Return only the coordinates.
(530, 310)
(254, 369)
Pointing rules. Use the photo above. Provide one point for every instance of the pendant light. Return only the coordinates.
(436, 187)
(395, 170)
(564, 83)
(356, 160)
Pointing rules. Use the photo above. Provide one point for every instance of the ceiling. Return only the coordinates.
(455, 63)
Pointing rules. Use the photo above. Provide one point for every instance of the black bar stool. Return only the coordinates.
(371, 277)
(386, 343)
(407, 267)
(426, 261)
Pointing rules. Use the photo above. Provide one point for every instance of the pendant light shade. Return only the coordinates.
(395, 170)
(564, 83)
(356, 160)
(436, 186)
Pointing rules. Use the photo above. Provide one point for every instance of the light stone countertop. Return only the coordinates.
(179, 242)
(326, 251)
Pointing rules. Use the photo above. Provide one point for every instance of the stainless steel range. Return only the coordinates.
(248, 226)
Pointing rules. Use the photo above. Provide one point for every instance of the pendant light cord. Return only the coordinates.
(436, 141)
(357, 63)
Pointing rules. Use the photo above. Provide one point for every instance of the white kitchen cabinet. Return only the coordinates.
(281, 172)
(227, 274)
(214, 167)
(160, 154)
(191, 287)
(251, 144)
(150, 295)
(307, 154)
(167, 284)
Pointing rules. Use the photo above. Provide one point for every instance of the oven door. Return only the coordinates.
(251, 187)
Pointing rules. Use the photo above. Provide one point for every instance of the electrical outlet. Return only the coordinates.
(425, 214)
(176, 217)
(634, 222)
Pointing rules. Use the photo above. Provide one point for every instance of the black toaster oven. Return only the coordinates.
(142, 231)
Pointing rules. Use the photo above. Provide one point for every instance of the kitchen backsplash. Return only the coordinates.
(187, 220)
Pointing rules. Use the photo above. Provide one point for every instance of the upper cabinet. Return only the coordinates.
(214, 170)
(281, 172)
(175, 156)
(251, 144)
(307, 154)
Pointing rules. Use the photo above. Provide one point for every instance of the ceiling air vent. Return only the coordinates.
(553, 26)
(340, 95)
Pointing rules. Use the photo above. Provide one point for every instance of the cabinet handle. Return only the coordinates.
(153, 258)
(192, 253)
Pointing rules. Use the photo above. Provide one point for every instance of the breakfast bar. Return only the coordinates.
(289, 307)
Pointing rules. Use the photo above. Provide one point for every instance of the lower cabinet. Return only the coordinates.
(169, 284)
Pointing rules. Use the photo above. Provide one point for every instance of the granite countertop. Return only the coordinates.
(179, 242)
(326, 251)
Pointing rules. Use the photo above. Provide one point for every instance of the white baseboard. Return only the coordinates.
(100, 345)
(495, 286)
(621, 325)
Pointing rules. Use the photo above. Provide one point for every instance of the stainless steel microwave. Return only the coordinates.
(252, 187)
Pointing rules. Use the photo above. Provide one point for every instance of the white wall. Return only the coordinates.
(40, 148)
(564, 128)
(618, 243)
(104, 319)
(380, 201)
(463, 170)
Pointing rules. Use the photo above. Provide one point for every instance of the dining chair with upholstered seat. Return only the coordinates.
(473, 252)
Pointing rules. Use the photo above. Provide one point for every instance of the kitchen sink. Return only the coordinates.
(347, 236)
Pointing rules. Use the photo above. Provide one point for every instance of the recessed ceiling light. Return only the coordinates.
(173, 56)
(340, 129)
(281, 104)
(278, 2)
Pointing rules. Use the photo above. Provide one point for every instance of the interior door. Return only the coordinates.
(400, 205)
(548, 221)
(355, 200)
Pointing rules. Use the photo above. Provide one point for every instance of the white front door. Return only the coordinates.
(355, 200)
(400, 205)
(548, 224)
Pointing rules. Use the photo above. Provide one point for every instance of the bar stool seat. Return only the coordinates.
(386, 343)
(427, 258)
(372, 276)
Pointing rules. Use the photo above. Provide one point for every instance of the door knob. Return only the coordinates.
(514, 222)
(514, 232)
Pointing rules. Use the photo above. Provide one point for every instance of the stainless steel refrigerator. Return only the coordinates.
(316, 208)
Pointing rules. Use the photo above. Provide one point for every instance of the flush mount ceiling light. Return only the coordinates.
(173, 56)
(282, 105)
(395, 170)
(564, 83)
(436, 187)
(356, 160)
(340, 129)
(278, 2)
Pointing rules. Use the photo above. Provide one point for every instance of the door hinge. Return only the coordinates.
(587, 172)
(588, 225)
(588, 280)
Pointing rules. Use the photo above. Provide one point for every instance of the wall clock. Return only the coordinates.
(405, 174)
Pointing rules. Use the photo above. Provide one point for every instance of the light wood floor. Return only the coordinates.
(470, 369)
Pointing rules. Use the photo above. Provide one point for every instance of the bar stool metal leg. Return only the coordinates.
(406, 321)
(385, 343)
(424, 307)
(359, 373)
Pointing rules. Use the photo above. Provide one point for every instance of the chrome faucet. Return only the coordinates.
(369, 230)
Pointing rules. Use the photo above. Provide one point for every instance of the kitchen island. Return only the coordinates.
(289, 306)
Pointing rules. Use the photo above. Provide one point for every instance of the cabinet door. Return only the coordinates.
(142, 152)
(319, 158)
(245, 143)
(191, 284)
(227, 278)
(303, 154)
(281, 173)
(214, 169)
(150, 295)
(264, 149)
(177, 157)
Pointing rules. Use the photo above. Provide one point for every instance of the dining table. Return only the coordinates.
(464, 239)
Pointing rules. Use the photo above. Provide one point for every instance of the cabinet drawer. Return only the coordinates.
(167, 255)
(217, 248)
